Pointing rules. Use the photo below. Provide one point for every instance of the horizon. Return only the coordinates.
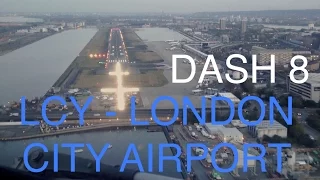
(239, 11)
(141, 6)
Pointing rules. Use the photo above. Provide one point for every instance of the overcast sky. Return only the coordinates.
(152, 5)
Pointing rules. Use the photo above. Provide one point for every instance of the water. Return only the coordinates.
(30, 71)
(114, 156)
(19, 19)
(159, 34)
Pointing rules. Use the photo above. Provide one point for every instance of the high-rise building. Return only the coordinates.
(223, 23)
(244, 25)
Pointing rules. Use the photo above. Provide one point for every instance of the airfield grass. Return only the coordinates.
(86, 79)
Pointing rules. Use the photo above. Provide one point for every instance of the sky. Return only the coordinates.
(134, 6)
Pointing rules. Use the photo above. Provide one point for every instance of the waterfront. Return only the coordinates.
(19, 19)
(287, 27)
(119, 139)
(30, 71)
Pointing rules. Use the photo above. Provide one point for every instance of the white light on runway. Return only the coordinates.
(120, 90)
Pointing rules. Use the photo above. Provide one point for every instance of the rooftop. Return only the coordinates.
(261, 49)
(265, 124)
(230, 96)
(314, 78)
(224, 130)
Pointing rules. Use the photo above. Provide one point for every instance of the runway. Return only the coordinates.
(116, 49)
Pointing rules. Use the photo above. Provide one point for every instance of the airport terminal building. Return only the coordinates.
(310, 90)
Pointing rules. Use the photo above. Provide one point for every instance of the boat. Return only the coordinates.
(110, 146)
(214, 175)
(79, 150)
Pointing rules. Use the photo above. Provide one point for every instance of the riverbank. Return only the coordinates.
(98, 127)
(97, 44)
(11, 46)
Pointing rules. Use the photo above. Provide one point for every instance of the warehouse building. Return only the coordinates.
(310, 90)
(225, 134)
(265, 128)
(232, 97)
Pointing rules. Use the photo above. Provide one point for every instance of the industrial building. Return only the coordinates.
(232, 97)
(282, 56)
(238, 123)
(310, 90)
(265, 128)
(225, 134)
(251, 163)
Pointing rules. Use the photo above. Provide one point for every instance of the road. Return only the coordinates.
(196, 165)
(116, 49)
(56, 115)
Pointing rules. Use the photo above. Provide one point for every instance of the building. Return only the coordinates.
(311, 26)
(313, 65)
(225, 38)
(265, 128)
(187, 30)
(310, 90)
(232, 97)
(223, 22)
(251, 164)
(238, 123)
(225, 134)
(282, 56)
(259, 20)
(267, 20)
(70, 25)
(178, 20)
(22, 31)
(244, 25)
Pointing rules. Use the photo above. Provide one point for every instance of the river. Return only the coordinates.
(119, 139)
(30, 71)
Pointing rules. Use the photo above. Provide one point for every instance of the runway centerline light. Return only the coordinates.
(120, 90)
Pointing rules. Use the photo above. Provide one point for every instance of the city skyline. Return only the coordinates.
(142, 6)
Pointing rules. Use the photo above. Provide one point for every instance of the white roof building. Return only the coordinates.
(265, 128)
(225, 134)
(251, 163)
(238, 123)
(310, 90)
(232, 97)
